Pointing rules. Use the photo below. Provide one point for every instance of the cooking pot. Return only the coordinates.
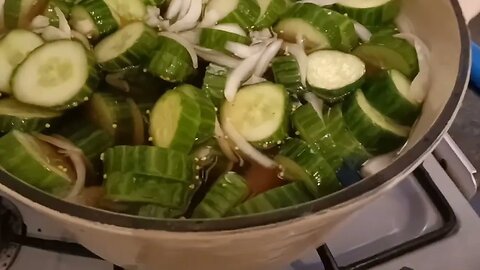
(271, 240)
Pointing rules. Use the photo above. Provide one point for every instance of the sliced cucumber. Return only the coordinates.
(259, 114)
(216, 39)
(130, 46)
(156, 211)
(93, 19)
(313, 130)
(227, 192)
(175, 121)
(277, 198)
(242, 12)
(286, 72)
(214, 83)
(378, 133)
(19, 13)
(300, 162)
(14, 48)
(59, 75)
(117, 115)
(171, 61)
(270, 11)
(388, 52)
(389, 94)
(154, 2)
(19, 116)
(332, 75)
(310, 23)
(370, 12)
(127, 11)
(207, 112)
(348, 36)
(36, 163)
(148, 160)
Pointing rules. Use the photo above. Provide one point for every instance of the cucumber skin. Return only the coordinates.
(274, 11)
(337, 95)
(101, 15)
(287, 73)
(135, 55)
(27, 169)
(382, 94)
(318, 17)
(227, 192)
(171, 61)
(12, 10)
(392, 45)
(216, 39)
(214, 84)
(245, 14)
(375, 139)
(348, 36)
(313, 130)
(277, 198)
(322, 179)
(372, 16)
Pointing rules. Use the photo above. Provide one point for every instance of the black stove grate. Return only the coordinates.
(423, 177)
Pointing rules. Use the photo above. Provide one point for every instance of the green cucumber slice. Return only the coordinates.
(388, 52)
(59, 74)
(370, 12)
(242, 12)
(228, 191)
(175, 121)
(171, 61)
(332, 75)
(259, 114)
(207, 112)
(277, 198)
(286, 72)
(14, 48)
(127, 47)
(310, 23)
(217, 39)
(149, 160)
(300, 162)
(313, 130)
(127, 11)
(19, 116)
(270, 11)
(378, 133)
(348, 36)
(389, 94)
(93, 19)
(156, 211)
(36, 163)
(19, 13)
(214, 83)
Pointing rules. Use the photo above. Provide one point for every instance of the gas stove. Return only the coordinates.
(426, 222)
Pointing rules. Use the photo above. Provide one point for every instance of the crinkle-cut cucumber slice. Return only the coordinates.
(19, 13)
(93, 19)
(214, 83)
(14, 48)
(270, 11)
(18, 116)
(332, 75)
(127, 11)
(389, 93)
(59, 75)
(242, 12)
(301, 162)
(388, 52)
(277, 198)
(217, 39)
(175, 121)
(378, 133)
(370, 12)
(286, 72)
(36, 163)
(348, 36)
(310, 23)
(130, 46)
(260, 114)
(228, 191)
(157, 211)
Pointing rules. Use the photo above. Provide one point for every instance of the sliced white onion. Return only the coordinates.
(217, 57)
(39, 21)
(254, 79)
(82, 38)
(174, 9)
(190, 20)
(2, 14)
(363, 33)
(224, 144)
(153, 17)
(320, 2)
(376, 164)
(117, 80)
(59, 143)
(231, 28)
(240, 74)
(421, 82)
(51, 33)
(62, 22)
(184, 43)
(210, 18)
(298, 52)
(242, 50)
(404, 24)
(261, 36)
(267, 57)
(185, 8)
(192, 36)
(316, 103)
(85, 27)
(246, 148)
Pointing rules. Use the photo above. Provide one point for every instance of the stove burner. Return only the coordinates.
(10, 223)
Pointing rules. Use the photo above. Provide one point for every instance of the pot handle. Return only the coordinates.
(470, 8)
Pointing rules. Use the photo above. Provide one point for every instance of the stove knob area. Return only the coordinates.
(11, 224)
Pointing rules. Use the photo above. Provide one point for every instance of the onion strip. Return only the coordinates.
(174, 9)
(62, 22)
(242, 50)
(240, 74)
(223, 143)
(363, 33)
(187, 45)
(298, 52)
(217, 57)
(316, 103)
(267, 57)
(190, 20)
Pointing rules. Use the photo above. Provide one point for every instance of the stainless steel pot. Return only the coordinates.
(267, 241)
